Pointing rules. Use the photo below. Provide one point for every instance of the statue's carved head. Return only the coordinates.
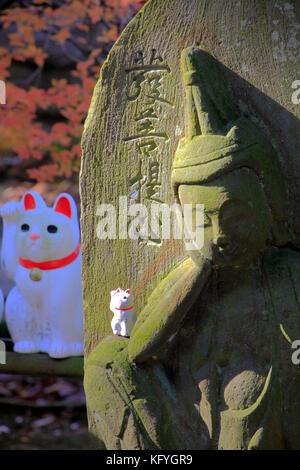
(227, 164)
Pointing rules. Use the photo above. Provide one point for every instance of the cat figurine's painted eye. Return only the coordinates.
(52, 229)
(25, 227)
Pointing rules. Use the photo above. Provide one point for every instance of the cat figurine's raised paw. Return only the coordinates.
(41, 253)
(124, 312)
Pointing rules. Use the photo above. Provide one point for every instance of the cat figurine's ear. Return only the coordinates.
(127, 291)
(32, 200)
(65, 204)
(116, 291)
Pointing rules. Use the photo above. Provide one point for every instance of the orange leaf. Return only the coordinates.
(62, 36)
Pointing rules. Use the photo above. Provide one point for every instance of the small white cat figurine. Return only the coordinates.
(41, 253)
(124, 313)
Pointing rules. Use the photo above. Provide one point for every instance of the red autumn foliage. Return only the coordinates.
(82, 30)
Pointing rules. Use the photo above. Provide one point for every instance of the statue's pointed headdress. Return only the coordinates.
(218, 141)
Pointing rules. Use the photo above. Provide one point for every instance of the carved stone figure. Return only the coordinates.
(208, 364)
(41, 253)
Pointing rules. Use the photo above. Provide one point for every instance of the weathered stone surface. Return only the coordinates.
(258, 42)
(227, 386)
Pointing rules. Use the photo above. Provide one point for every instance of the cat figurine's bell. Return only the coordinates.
(36, 274)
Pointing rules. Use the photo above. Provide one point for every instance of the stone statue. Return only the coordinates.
(208, 364)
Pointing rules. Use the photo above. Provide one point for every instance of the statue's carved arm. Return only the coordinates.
(166, 308)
